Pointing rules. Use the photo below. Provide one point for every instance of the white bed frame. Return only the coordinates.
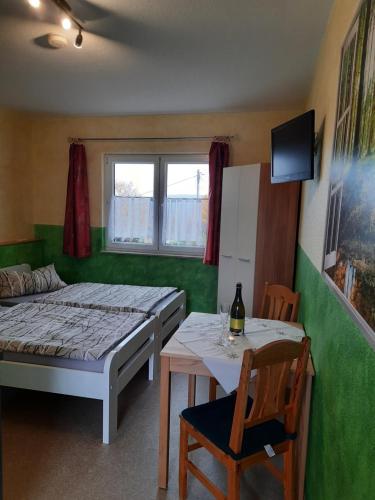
(169, 315)
(121, 364)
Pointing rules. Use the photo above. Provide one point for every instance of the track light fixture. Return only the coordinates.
(67, 21)
(79, 40)
(34, 3)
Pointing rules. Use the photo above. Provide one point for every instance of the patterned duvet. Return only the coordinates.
(64, 332)
(123, 298)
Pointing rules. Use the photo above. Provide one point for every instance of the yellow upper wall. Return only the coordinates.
(43, 155)
(48, 162)
(15, 176)
(323, 98)
(50, 148)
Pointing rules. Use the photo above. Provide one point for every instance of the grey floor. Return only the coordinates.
(53, 450)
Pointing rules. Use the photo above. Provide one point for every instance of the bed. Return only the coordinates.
(167, 304)
(75, 351)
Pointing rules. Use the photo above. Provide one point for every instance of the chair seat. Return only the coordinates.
(214, 421)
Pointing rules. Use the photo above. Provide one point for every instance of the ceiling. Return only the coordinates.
(161, 56)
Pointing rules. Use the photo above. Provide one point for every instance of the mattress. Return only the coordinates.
(64, 332)
(121, 298)
(13, 301)
(71, 364)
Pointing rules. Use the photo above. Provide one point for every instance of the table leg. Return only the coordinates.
(165, 401)
(192, 384)
(303, 433)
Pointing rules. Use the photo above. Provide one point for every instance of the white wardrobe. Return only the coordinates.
(259, 226)
(238, 233)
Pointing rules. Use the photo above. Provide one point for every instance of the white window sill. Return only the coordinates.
(151, 254)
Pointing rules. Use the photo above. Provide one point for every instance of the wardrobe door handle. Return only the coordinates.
(226, 256)
(243, 260)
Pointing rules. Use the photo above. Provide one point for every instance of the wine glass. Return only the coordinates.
(224, 314)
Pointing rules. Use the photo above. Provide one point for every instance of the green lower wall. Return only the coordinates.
(198, 280)
(341, 458)
(29, 252)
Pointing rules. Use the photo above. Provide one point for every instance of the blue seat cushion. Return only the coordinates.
(214, 421)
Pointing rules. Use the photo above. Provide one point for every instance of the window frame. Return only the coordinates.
(160, 196)
(109, 185)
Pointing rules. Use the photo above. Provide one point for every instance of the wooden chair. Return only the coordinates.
(279, 302)
(236, 428)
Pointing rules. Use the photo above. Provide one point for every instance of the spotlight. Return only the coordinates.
(79, 40)
(34, 3)
(66, 23)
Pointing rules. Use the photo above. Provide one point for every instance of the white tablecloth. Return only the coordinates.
(200, 333)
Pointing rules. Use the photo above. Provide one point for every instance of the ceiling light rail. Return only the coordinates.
(67, 21)
(67, 10)
(216, 138)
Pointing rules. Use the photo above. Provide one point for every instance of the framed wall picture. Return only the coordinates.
(349, 257)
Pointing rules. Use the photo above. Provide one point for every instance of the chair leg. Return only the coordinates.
(233, 473)
(182, 477)
(212, 389)
(290, 479)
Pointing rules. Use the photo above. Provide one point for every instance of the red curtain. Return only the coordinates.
(218, 160)
(77, 241)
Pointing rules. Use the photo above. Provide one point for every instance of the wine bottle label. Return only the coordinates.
(237, 324)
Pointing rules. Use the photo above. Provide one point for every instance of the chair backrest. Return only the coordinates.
(279, 302)
(273, 396)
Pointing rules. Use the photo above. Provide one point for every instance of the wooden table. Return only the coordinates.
(175, 357)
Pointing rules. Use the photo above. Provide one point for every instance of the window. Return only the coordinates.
(156, 204)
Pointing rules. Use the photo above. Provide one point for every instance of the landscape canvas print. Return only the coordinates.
(349, 261)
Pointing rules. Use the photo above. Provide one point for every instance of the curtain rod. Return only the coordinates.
(219, 138)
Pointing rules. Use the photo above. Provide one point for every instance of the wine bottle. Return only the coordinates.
(237, 313)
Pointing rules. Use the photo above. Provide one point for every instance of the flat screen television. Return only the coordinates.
(293, 149)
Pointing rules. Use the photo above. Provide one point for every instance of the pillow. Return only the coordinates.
(19, 268)
(15, 284)
(46, 279)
